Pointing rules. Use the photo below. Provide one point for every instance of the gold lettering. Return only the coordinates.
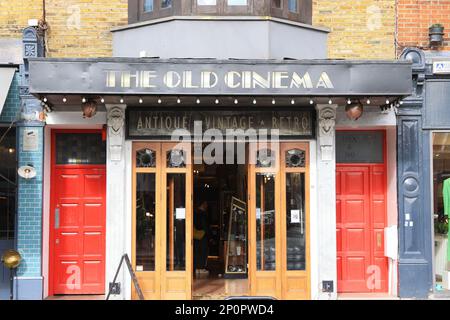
(325, 82)
(278, 78)
(304, 81)
(261, 82)
(172, 79)
(230, 80)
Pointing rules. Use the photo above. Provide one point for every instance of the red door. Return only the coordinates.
(360, 223)
(77, 227)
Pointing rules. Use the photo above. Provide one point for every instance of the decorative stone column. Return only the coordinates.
(326, 181)
(115, 196)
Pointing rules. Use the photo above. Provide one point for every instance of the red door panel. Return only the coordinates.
(78, 231)
(360, 222)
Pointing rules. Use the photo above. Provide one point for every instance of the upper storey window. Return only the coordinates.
(293, 10)
(237, 2)
(148, 6)
(206, 2)
(166, 4)
(292, 5)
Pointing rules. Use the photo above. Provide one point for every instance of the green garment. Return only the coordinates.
(446, 194)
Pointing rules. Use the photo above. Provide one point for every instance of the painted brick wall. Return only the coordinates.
(29, 195)
(360, 29)
(11, 109)
(414, 18)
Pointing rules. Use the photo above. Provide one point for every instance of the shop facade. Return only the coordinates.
(128, 176)
(423, 166)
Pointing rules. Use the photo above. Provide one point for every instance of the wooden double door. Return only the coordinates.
(162, 220)
(278, 220)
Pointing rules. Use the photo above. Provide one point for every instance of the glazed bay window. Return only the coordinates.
(206, 2)
(148, 5)
(292, 5)
(166, 4)
(237, 2)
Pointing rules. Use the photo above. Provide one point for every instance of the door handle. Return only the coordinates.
(57, 218)
(379, 240)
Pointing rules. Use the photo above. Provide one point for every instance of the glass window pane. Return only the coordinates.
(295, 158)
(296, 222)
(292, 5)
(237, 2)
(176, 222)
(265, 222)
(145, 221)
(265, 158)
(441, 205)
(8, 176)
(148, 5)
(146, 158)
(176, 159)
(206, 2)
(166, 3)
(80, 148)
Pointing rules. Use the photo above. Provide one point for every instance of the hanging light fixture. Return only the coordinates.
(354, 110)
(89, 108)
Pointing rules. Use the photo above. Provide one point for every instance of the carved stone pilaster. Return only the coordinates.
(326, 132)
(116, 130)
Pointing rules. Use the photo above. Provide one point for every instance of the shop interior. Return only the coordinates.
(220, 228)
(441, 189)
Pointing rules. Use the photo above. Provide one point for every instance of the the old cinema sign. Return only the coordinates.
(134, 76)
(161, 124)
(204, 79)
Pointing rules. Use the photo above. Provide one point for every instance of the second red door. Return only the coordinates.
(361, 219)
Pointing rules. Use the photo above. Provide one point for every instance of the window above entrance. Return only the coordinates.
(80, 149)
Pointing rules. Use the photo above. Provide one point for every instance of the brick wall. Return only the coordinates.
(14, 15)
(414, 19)
(361, 29)
(77, 28)
(80, 28)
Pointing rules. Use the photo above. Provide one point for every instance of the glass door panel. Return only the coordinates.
(176, 222)
(294, 172)
(146, 219)
(265, 222)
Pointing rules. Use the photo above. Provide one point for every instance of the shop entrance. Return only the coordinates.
(211, 230)
(220, 227)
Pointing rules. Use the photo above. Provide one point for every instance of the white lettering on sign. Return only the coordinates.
(209, 79)
(441, 67)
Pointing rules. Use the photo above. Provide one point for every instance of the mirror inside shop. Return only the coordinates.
(441, 204)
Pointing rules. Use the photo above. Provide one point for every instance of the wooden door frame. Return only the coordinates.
(304, 146)
(155, 146)
(53, 168)
(161, 171)
(370, 167)
(188, 172)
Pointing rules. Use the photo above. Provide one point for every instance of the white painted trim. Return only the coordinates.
(314, 222)
(128, 212)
